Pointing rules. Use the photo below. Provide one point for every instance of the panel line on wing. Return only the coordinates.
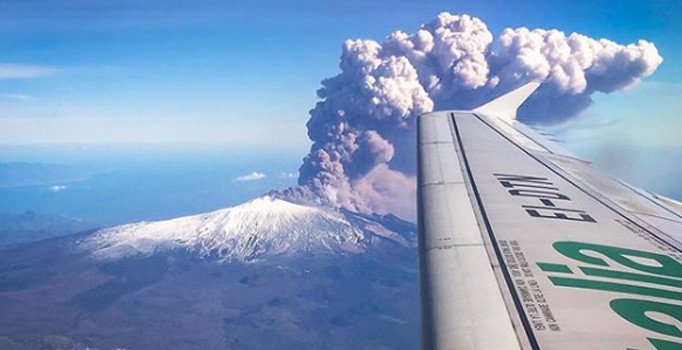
(505, 272)
(457, 267)
(660, 205)
(655, 216)
(526, 136)
(592, 195)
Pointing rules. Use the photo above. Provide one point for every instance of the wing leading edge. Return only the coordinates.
(525, 246)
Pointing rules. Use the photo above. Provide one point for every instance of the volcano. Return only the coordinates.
(267, 274)
(263, 228)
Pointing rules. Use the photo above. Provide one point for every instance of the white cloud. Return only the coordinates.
(254, 176)
(57, 188)
(286, 176)
(24, 71)
(16, 97)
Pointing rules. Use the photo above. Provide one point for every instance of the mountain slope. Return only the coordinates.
(269, 274)
(264, 227)
(30, 226)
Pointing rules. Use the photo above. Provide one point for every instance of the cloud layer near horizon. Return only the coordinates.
(25, 71)
(253, 176)
(363, 152)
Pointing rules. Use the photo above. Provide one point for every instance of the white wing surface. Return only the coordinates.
(525, 246)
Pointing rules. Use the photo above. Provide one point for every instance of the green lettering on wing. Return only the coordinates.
(650, 275)
(662, 264)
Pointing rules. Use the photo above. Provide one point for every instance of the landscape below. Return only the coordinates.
(265, 274)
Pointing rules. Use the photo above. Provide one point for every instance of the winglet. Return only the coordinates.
(507, 104)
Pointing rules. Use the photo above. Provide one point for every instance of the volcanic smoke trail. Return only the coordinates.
(363, 152)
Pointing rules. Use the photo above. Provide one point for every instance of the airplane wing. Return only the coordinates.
(525, 246)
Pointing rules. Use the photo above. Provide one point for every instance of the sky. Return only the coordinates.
(239, 73)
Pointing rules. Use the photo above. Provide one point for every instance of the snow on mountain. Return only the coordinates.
(265, 226)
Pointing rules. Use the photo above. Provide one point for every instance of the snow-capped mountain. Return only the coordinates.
(266, 226)
(267, 274)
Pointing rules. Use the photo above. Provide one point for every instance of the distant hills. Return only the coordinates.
(30, 226)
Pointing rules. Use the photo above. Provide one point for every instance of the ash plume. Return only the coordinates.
(363, 156)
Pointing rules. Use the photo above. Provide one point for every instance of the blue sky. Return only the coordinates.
(244, 73)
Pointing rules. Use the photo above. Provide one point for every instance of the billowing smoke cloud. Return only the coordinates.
(363, 152)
